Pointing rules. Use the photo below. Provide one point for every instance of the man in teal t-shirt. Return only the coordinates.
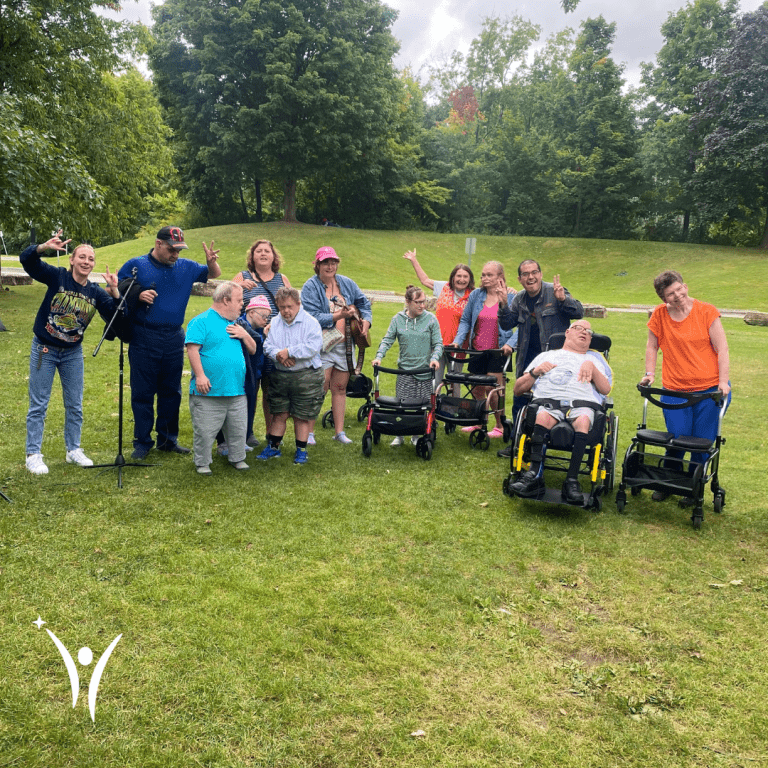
(217, 390)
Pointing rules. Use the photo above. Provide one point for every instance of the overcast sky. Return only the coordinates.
(430, 29)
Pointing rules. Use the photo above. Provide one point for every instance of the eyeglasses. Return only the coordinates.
(261, 313)
(532, 273)
(588, 331)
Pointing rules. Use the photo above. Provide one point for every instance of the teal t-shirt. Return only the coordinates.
(221, 355)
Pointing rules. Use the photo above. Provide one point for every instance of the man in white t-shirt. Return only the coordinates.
(565, 375)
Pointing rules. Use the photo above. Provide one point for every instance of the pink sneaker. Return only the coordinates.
(496, 432)
(471, 429)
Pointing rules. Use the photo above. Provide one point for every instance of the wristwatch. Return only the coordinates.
(532, 374)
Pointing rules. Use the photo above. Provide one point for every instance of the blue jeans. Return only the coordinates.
(44, 361)
(699, 420)
(157, 362)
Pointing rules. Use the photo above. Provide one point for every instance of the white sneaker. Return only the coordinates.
(414, 439)
(78, 457)
(311, 439)
(342, 438)
(36, 465)
(397, 441)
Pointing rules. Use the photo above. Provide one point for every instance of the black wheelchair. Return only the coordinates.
(400, 417)
(600, 458)
(647, 466)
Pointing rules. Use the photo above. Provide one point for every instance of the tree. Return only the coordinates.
(278, 90)
(732, 175)
(692, 37)
(69, 143)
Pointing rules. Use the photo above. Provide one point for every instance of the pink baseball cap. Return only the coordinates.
(325, 253)
(259, 302)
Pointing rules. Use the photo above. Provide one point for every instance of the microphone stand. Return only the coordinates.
(119, 461)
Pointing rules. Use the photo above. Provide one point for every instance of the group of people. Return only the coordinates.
(261, 333)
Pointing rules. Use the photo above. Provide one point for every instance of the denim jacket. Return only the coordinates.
(472, 311)
(314, 300)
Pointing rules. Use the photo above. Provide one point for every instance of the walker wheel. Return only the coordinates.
(450, 428)
(376, 438)
(362, 412)
(697, 520)
(367, 444)
(635, 490)
(426, 451)
(327, 419)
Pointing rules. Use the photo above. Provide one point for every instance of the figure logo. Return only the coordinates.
(85, 657)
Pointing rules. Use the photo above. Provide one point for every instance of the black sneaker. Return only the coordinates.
(174, 448)
(571, 491)
(660, 495)
(505, 453)
(528, 485)
(140, 452)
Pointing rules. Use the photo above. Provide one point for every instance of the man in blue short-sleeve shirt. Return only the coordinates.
(156, 349)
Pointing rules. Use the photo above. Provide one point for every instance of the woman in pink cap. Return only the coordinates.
(316, 298)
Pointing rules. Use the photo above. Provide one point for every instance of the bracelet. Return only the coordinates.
(651, 373)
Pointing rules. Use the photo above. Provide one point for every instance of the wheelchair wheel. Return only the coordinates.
(362, 411)
(697, 519)
(327, 419)
(719, 501)
(367, 444)
(507, 432)
(621, 501)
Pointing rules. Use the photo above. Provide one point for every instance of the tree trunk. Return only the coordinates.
(289, 201)
(259, 209)
(242, 203)
(764, 241)
(686, 224)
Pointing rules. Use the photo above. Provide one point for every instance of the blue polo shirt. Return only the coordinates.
(220, 354)
(173, 283)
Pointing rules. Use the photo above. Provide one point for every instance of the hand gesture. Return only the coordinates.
(586, 372)
(211, 256)
(110, 279)
(559, 290)
(501, 291)
(410, 255)
(55, 243)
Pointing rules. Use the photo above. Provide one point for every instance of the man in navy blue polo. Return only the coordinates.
(156, 349)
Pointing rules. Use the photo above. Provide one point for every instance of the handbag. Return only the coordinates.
(362, 340)
(331, 337)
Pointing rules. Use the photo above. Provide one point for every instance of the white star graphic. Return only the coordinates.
(39, 622)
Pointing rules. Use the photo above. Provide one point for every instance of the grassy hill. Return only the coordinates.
(609, 272)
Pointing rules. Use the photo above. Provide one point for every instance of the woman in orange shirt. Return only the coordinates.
(695, 358)
(452, 297)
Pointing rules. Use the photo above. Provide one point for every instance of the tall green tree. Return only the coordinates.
(732, 175)
(670, 145)
(278, 90)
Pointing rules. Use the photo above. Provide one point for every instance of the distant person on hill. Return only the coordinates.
(537, 312)
(695, 358)
(70, 304)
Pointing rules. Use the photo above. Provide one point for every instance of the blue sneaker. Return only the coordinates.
(301, 456)
(269, 453)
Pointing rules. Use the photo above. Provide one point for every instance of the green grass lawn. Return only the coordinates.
(321, 615)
